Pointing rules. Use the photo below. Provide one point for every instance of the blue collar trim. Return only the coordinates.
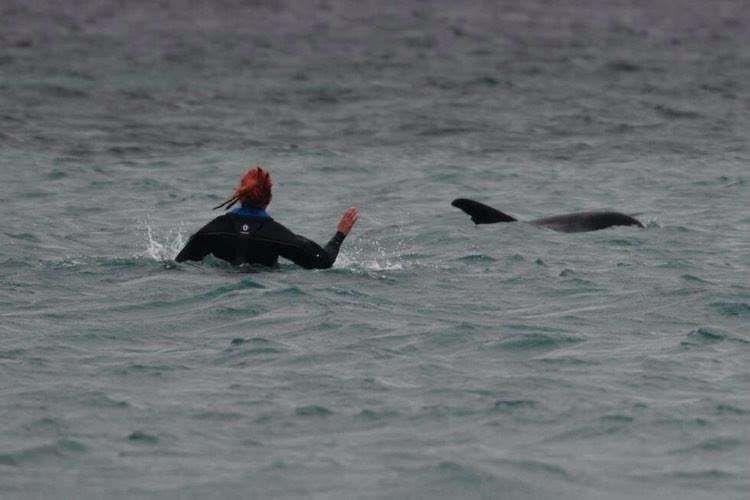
(251, 212)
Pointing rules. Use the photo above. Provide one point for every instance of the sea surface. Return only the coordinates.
(437, 359)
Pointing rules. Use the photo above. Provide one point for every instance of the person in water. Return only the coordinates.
(248, 234)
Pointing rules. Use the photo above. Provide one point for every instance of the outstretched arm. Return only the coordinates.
(310, 255)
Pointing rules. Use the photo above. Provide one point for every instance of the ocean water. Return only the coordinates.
(436, 359)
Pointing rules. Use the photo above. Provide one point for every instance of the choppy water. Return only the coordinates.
(437, 359)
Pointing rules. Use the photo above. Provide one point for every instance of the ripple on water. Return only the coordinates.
(515, 258)
(458, 335)
(453, 479)
(255, 345)
(675, 113)
(703, 336)
(727, 409)
(693, 279)
(685, 423)
(61, 450)
(243, 284)
(460, 473)
(603, 426)
(712, 445)
(533, 341)
(428, 413)
(369, 415)
(32, 238)
(536, 466)
(707, 336)
(230, 312)
(706, 479)
(13, 354)
(219, 416)
(621, 66)
(564, 360)
(102, 400)
(575, 286)
(476, 258)
(616, 419)
(140, 437)
(44, 425)
(257, 349)
(312, 411)
(286, 292)
(732, 309)
(153, 370)
(510, 405)
(676, 264)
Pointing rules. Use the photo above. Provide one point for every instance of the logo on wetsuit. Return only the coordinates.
(245, 228)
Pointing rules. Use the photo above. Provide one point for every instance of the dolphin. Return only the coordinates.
(567, 223)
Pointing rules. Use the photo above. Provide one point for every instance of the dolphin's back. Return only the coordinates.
(568, 223)
(586, 221)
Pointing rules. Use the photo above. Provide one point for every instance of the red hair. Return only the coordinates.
(254, 189)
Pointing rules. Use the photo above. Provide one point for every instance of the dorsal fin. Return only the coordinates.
(481, 213)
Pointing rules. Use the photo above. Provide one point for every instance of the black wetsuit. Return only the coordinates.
(240, 239)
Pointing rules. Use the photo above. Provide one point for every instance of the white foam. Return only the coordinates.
(379, 263)
(377, 259)
(163, 247)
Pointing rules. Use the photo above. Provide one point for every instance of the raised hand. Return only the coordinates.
(348, 219)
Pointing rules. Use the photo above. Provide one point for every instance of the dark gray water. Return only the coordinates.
(437, 359)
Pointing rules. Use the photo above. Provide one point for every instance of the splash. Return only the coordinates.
(369, 259)
(167, 249)
(354, 259)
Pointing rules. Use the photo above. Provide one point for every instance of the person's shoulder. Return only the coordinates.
(222, 223)
(270, 222)
(274, 228)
